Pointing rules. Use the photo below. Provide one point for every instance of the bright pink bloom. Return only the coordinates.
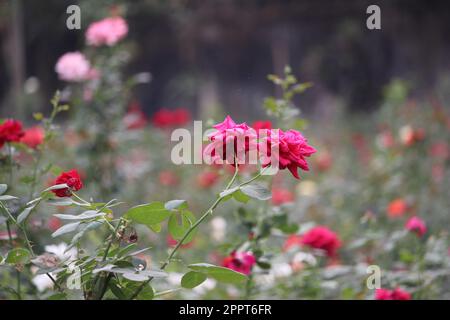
(242, 262)
(280, 196)
(322, 238)
(417, 225)
(108, 31)
(230, 141)
(292, 149)
(33, 137)
(135, 117)
(10, 131)
(73, 66)
(73, 181)
(396, 294)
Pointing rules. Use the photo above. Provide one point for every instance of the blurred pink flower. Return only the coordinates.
(417, 225)
(106, 32)
(73, 66)
(280, 196)
(207, 179)
(396, 294)
(242, 262)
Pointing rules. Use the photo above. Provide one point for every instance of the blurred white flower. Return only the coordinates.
(42, 282)
(218, 228)
(303, 257)
(60, 251)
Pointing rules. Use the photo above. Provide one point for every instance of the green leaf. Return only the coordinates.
(178, 230)
(83, 216)
(24, 214)
(221, 274)
(256, 191)
(192, 279)
(155, 227)
(58, 296)
(240, 196)
(67, 228)
(7, 197)
(149, 214)
(61, 202)
(176, 204)
(3, 188)
(56, 187)
(228, 192)
(18, 255)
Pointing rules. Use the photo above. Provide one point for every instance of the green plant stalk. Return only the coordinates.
(27, 240)
(208, 212)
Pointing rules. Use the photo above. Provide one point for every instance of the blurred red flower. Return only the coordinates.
(207, 179)
(33, 137)
(322, 238)
(73, 181)
(397, 208)
(168, 178)
(165, 118)
(292, 241)
(54, 223)
(135, 118)
(280, 196)
(242, 262)
(10, 131)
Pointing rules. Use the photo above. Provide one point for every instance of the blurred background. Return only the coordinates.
(205, 55)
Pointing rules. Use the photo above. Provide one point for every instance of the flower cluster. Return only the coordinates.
(232, 141)
(12, 131)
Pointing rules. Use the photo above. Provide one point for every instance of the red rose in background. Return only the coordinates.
(242, 262)
(171, 242)
(10, 131)
(396, 294)
(73, 181)
(322, 238)
(207, 179)
(262, 125)
(397, 208)
(135, 117)
(280, 196)
(180, 117)
(54, 224)
(33, 137)
(165, 118)
(168, 178)
(417, 225)
(292, 241)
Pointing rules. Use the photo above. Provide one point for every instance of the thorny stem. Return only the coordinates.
(196, 224)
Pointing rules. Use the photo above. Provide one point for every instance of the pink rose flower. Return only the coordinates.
(106, 32)
(73, 66)
(417, 225)
(230, 141)
(322, 238)
(242, 262)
